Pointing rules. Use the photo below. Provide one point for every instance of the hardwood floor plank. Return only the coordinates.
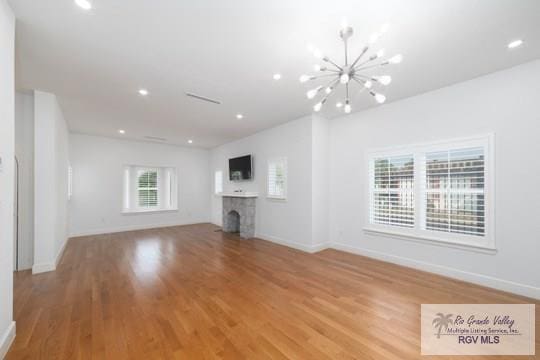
(189, 292)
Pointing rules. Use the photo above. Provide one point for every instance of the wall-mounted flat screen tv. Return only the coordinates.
(240, 168)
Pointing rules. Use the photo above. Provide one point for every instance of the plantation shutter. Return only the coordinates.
(453, 187)
(277, 178)
(218, 182)
(392, 190)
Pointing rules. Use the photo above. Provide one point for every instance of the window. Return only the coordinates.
(218, 182)
(70, 182)
(277, 178)
(149, 189)
(392, 196)
(453, 189)
(437, 191)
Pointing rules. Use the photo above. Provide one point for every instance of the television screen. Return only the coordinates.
(240, 168)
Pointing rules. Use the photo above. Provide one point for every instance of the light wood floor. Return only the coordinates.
(193, 293)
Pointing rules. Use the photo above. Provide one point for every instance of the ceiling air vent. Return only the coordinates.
(203, 98)
(154, 138)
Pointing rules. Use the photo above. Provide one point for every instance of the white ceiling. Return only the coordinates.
(96, 61)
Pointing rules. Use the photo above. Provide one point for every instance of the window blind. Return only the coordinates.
(147, 189)
(277, 178)
(218, 182)
(392, 190)
(453, 187)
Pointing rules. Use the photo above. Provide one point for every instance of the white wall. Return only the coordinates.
(320, 181)
(288, 222)
(96, 204)
(505, 103)
(24, 150)
(7, 154)
(51, 160)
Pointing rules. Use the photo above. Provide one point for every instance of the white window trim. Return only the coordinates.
(130, 188)
(218, 193)
(486, 243)
(285, 187)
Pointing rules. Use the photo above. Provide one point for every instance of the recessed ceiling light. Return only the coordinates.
(143, 92)
(339, 104)
(190, 141)
(239, 116)
(85, 4)
(277, 76)
(515, 44)
(121, 131)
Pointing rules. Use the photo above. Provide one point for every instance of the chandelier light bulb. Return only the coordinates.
(344, 78)
(317, 106)
(515, 44)
(317, 67)
(384, 80)
(328, 90)
(311, 93)
(368, 84)
(396, 59)
(317, 53)
(304, 78)
(380, 53)
(380, 98)
(339, 104)
(344, 23)
(347, 108)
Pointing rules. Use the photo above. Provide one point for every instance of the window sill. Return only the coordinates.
(431, 240)
(149, 211)
(276, 198)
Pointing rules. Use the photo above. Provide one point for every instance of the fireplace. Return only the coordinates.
(239, 214)
(233, 222)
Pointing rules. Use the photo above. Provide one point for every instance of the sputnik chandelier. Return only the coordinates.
(348, 74)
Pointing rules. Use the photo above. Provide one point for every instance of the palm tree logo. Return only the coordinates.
(442, 321)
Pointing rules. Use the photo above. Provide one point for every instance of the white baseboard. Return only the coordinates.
(307, 248)
(319, 247)
(479, 279)
(60, 253)
(51, 266)
(117, 229)
(43, 267)
(7, 339)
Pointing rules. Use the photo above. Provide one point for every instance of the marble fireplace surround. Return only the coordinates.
(239, 213)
